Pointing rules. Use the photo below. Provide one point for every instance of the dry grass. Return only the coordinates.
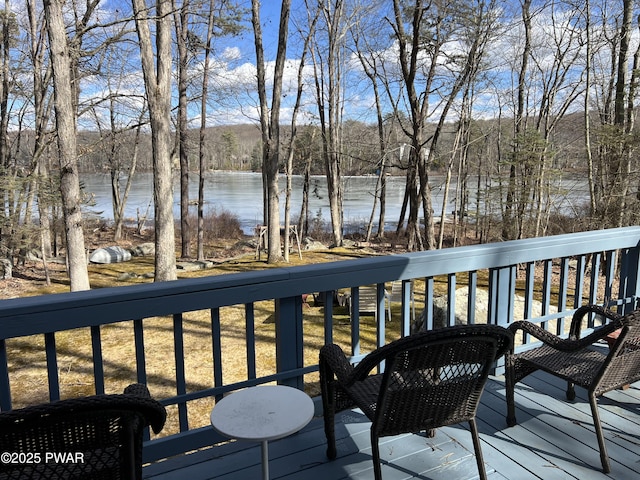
(27, 360)
(28, 363)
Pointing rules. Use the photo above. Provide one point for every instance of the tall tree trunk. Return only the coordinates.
(405, 199)
(270, 122)
(328, 66)
(624, 113)
(376, 194)
(181, 21)
(409, 46)
(292, 140)
(44, 209)
(414, 237)
(41, 77)
(203, 129)
(303, 221)
(369, 66)
(66, 129)
(510, 227)
(157, 79)
(447, 182)
(129, 182)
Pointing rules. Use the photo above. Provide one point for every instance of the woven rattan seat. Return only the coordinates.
(102, 436)
(580, 361)
(431, 379)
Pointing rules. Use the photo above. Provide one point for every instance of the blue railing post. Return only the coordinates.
(501, 290)
(381, 296)
(451, 296)
(408, 308)
(52, 366)
(5, 389)
(289, 339)
(629, 284)
(355, 321)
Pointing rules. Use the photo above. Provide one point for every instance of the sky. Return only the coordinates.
(233, 96)
(239, 70)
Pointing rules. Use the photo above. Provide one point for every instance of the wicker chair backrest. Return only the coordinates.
(91, 445)
(622, 365)
(435, 384)
(96, 437)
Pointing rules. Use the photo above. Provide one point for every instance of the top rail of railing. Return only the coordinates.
(50, 313)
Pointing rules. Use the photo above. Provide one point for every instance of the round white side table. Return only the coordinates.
(261, 414)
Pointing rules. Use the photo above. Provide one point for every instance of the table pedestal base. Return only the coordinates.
(265, 460)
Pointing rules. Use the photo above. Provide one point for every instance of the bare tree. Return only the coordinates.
(203, 127)
(270, 122)
(120, 130)
(41, 105)
(559, 91)
(364, 40)
(619, 154)
(222, 17)
(292, 139)
(329, 65)
(37, 95)
(157, 79)
(587, 106)
(115, 140)
(410, 47)
(509, 226)
(182, 24)
(305, 148)
(65, 109)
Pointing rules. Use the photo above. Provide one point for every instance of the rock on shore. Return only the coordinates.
(113, 254)
(481, 309)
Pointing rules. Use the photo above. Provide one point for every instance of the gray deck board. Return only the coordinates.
(554, 439)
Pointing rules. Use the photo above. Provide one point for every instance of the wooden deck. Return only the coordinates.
(554, 439)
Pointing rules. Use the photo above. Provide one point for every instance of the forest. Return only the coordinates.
(503, 96)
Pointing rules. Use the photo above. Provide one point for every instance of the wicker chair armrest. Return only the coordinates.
(154, 412)
(377, 356)
(565, 344)
(578, 316)
(543, 335)
(333, 357)
(138, 389)
(136, 398)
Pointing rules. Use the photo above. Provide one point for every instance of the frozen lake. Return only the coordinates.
(240, 193)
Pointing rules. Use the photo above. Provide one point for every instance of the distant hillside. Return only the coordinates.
(237, 147)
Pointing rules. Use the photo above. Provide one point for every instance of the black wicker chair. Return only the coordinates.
(575, 360)
(431, 379)
(101, 435)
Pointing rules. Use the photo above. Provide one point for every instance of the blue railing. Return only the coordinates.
(557, 273)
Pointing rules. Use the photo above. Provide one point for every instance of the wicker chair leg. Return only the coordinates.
(478, 450)
(128, 466)
(375, 453)
(510, 391)
(571, 391)
(604, 456)
(328, 410)
(330, 433)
